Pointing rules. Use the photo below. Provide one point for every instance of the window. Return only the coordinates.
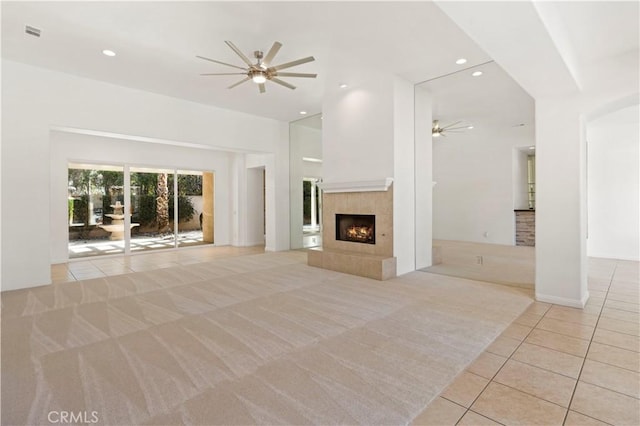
(168, 208)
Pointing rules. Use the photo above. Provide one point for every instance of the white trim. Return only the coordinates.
(363, 186)
(573, 303)
(145, 139)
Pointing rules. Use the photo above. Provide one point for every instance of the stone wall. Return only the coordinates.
(525, 228)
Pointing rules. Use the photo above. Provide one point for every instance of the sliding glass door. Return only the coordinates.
(151, 201)
(95, 195)
(167, 208)
(194, 208)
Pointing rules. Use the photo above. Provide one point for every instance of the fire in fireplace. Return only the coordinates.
(357, 228)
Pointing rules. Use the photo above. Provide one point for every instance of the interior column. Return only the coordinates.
(561, 205)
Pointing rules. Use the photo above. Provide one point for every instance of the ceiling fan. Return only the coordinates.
(262, 70)
(437, 130)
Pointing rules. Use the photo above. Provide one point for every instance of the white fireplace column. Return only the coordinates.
(368, 135)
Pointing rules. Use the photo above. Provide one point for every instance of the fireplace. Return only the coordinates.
(360, 243)
(356, 228)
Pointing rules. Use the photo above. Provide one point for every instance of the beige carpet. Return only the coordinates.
(260, 339)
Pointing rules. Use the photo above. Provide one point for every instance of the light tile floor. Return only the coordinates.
(552, 365)
(557, 365)
(103, 266)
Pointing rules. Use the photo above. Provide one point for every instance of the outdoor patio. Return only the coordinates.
(88, 248)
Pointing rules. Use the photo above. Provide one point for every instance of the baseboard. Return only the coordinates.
(573, 303)
(614, 257)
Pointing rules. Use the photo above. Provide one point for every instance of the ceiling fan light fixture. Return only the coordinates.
(259, 77)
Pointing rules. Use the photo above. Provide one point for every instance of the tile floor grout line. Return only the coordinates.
(632, 322)
(591, 417)
(584, 360)
(542, 368)
(611, 390)
(614, 346)
(481, 415)
(621, 332)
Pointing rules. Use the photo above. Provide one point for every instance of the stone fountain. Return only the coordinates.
(116, 227)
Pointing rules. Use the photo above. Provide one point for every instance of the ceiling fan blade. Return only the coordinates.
(218, 62)
(225, 73)
(272, 53)
(452, 124)
(262, 88)
(292, 63)
(239, 53)
(239, 83)
(296, 74)
(283, 83)
(448, 129)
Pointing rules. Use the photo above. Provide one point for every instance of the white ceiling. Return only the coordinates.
(600, 30)
(490, 102)
(157, 43)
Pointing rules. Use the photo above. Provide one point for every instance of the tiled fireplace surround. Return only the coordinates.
(366, 260)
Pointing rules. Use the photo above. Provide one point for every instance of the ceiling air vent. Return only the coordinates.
(32, 30)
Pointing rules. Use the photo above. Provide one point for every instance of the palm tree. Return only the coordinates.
(162, 203)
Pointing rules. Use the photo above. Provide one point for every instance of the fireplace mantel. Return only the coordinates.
(361, 186)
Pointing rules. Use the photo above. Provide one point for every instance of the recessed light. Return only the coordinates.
(32, 30)
(108, 52)
(343, 86)
(476, 74)
(303, 112)
(532, 147)
(461, 61)
(469, 127)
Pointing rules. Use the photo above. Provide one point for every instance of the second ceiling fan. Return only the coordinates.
(437, 130)
(262, 71)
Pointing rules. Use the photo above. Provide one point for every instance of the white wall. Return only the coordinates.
(613, 186)
(358, 131)
(255, 207)
(404, 180)
(423, 177)
(34, 100)
(474, 190)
